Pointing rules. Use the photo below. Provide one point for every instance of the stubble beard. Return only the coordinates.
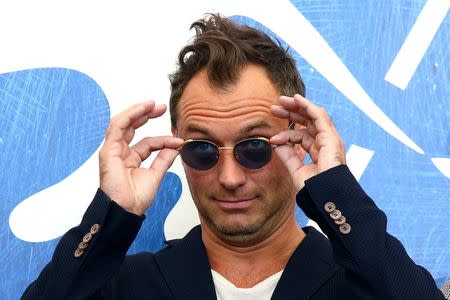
(236, 233)
(254, 232)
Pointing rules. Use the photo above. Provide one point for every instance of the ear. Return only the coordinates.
(174, 131)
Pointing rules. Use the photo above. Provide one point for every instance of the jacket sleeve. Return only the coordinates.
(360, 242)
(88, 255)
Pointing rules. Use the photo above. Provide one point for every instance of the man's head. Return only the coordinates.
(223, 48)
(227, 80)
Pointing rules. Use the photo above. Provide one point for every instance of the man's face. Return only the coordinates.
(237, 204)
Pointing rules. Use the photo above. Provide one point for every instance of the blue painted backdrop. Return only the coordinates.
(53, 119)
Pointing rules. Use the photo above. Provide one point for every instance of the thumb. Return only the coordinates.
(162, 162)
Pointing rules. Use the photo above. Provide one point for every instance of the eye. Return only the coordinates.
(204, 147)
(256, 144)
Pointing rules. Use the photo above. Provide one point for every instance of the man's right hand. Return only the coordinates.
(121, 177)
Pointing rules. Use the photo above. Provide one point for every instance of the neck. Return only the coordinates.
(247, 265)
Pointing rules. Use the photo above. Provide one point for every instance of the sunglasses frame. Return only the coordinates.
(220, 149)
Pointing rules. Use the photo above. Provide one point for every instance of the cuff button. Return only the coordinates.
(345, 228)
(87, 237)
(329, 207)
(336, 214)
(82, 245)
(95, 229)
(340, 221)
(78, 253)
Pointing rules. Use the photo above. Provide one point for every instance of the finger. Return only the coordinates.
(292, 108)
(146, 146)
(298, 136)
(292, 161)
(289, 103)
(157, 111)
(133, 113)
(162, 162)
(288, 156)
(280, 112)
(308, 110)
(317, 114)
(129, 132)
(123, 125)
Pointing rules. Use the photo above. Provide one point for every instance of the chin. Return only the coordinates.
(238, 231)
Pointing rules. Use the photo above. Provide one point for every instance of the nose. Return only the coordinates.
(231, 174)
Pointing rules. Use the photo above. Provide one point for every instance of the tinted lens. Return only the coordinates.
(201, 155)
(253, 153)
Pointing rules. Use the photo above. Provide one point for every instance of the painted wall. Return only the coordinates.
(381, 69)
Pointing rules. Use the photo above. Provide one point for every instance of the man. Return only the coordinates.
(243, 145)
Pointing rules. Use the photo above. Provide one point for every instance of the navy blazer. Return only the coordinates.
(360, 261)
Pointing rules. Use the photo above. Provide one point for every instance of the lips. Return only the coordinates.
(233, 204)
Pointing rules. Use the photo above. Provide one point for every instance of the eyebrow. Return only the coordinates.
(197, 128)
(249, 128)
(257, 125)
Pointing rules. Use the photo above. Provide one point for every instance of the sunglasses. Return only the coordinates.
(252, 153)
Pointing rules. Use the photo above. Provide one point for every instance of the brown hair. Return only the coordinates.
(223, 48)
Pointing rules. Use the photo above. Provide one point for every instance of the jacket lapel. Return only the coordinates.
(310, 266)
(185, 267)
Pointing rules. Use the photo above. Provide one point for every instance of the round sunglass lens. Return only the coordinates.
(253, 153)
(201, 155)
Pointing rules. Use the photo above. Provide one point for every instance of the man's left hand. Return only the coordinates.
(314, 133)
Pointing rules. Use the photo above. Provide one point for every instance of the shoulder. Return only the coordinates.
(176, 248)
(159, 274)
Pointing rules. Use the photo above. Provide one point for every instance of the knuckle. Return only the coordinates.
(106, 149)
(103, 152)
(330, 122)
(114, 121)
(323, 113)
(108, 132)
(326, 117)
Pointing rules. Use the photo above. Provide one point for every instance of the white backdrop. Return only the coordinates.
(375, 66)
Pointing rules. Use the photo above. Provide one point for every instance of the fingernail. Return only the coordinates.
(285, 97)
(274, 138)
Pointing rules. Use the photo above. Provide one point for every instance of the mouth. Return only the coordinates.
(235, 204)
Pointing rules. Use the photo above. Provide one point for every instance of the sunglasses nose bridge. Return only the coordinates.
(225, 148)
(232, 148)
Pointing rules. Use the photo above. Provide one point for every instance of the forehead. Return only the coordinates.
(244, 105)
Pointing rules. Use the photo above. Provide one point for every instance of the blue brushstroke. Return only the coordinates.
(51, 121)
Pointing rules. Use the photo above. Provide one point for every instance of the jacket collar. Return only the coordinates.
(309, 267)
(185, 267)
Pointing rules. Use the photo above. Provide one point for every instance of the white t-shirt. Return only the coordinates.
(225, 290)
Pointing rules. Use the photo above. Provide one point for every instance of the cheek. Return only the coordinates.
(277, 178)
(198, 181)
